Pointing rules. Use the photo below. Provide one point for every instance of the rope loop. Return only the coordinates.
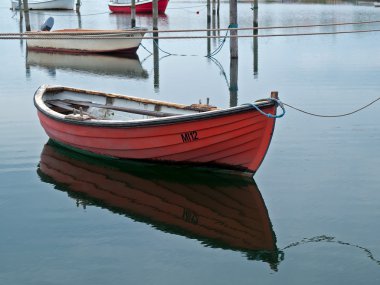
(277, 103)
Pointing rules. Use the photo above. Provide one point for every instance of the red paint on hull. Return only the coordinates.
(233, 141)
(143, 8)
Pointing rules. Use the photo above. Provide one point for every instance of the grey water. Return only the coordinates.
(319, 182)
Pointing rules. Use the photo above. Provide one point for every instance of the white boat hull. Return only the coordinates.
(46, 4)
(120, 41)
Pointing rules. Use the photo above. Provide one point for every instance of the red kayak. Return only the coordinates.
(118, 126)
(143, 6)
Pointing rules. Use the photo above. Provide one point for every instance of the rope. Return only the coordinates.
(333, 116)
(26, 36)
(277, 102)
(324, 238)
(226, 29)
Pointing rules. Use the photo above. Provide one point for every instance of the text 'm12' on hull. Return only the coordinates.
(86, 41)
(142, 6)
(126, 127)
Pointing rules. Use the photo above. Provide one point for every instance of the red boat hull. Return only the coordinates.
(237, 140)
(145, 7)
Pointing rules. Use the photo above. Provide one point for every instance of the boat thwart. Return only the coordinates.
(126, 127)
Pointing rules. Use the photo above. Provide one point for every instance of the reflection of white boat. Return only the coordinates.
(86, 41)
(376, 4)
(46, 4)
(97, 64)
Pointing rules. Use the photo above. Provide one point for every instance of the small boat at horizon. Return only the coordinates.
(219, 210)
(45, 4)
(142, 6)
(126, 127)
(86, 40)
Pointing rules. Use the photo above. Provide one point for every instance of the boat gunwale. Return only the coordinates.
(181, 118)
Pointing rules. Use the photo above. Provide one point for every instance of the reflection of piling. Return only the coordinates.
(213, 7)
(79, 20)
(133, 13)
(233, 33)
(26, 12)
(233, 82)
(218, 8)
(208, 35)
(156, 63)
(19, 8)
(208, 11)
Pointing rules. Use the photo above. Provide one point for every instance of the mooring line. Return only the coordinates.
(29, 36)
(332, 116)
(324, 238)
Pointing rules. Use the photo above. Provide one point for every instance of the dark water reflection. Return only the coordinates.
(128, 66)
(220, 210)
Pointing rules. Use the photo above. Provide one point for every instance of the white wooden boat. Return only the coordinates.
(86, 41)
(46, 4)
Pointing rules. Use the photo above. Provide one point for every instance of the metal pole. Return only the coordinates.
(27, 19)
(233, 24)
(133, 14)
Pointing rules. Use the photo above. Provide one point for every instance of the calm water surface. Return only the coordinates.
(312, 215)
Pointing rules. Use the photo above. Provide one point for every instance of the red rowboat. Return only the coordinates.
(142, 6)
(118, 126)
(221, 210)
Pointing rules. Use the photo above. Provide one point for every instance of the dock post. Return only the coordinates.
(77, 6)
(274, 95)
(255, 38)
(26, 12)
(156, 63)
(233, 33)
(133, 13)
(233, 82)
(155, 14)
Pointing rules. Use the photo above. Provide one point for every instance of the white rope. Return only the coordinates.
(98, 37)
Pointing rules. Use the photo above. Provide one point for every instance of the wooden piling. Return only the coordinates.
(274, 95)
(255, 39)
(26, 12)
(77, 6)
(156, 63)
(155, 14)
(133, 13)
(233, 82)
(233, 33)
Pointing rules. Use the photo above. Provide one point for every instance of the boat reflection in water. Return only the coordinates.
(220, 210)
(113, 65)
